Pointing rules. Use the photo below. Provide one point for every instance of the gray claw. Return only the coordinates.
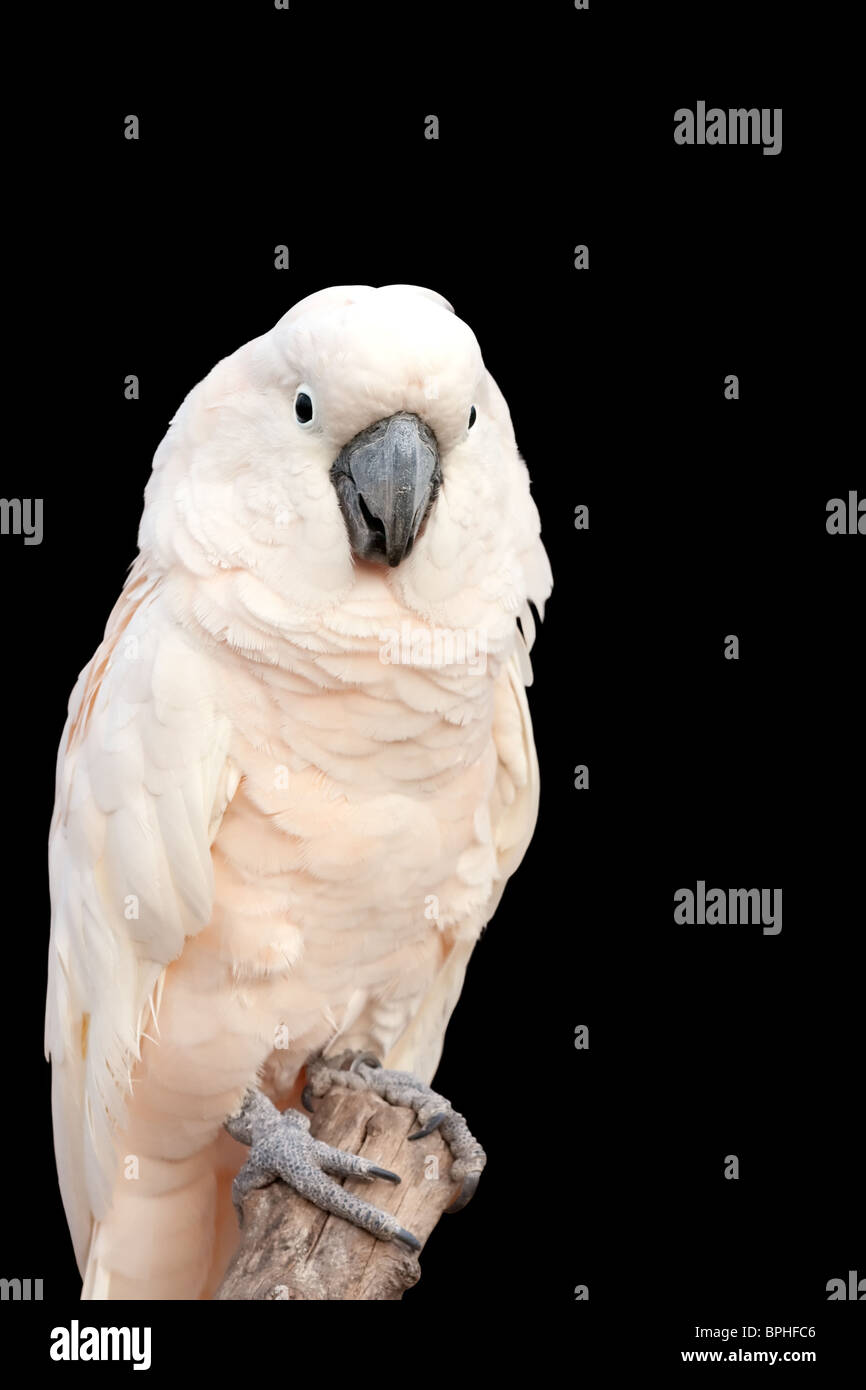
(466, 1193)
(407, 1238)
(307, 1098)
(432, 1124)
(385, 1173)
(367, 1059)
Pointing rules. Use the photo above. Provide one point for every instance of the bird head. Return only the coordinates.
(384, 386)
(362, 435)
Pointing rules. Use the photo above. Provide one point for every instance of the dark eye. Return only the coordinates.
(303, 408)
(472, 417)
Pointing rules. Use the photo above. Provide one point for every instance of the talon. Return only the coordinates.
(466, 1193)
(407, 1238)
(384, 1173)
(282, 1147)
(307, 1097)
(367, 1059)
(405, 1089)
(432, 1124)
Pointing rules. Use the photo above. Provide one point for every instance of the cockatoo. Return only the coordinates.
(293, 781)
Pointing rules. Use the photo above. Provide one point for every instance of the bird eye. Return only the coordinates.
(303, 407)
(472, 417)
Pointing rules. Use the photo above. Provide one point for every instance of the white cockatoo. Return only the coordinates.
(294, 779)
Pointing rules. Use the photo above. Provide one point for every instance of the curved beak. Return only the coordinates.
(387, 479)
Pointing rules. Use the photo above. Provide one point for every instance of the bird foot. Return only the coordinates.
(364, 1071)
(282, 1147)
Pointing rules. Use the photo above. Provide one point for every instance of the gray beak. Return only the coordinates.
(387, 479)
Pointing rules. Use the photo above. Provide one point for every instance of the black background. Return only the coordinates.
(707, 517)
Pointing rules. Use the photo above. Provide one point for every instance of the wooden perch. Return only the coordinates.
(291, 1250)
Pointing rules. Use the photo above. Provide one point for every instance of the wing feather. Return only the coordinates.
(143, 778)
